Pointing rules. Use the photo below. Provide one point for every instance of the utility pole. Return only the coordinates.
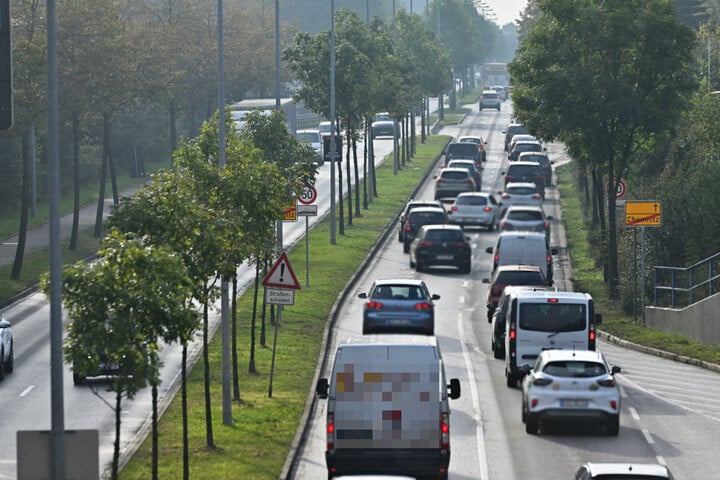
(333, 240)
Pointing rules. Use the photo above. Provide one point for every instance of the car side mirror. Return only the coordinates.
(485, 280)
(454, 388)
(489, 250)
(554, 251)
(321, 390)
(362, 295)
(4, 324)
(550, 217)
(526, 369)
(435, 296)
(615, 369)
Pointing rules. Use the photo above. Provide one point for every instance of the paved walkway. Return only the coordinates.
(38, 238)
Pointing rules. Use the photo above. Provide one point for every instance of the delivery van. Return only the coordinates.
(388, 410)
(537, 320)
(524, 248)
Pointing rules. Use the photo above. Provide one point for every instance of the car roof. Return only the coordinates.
(464, 138)
(520, 184)
(518, 162)
(533, 154)
(559, 355)
(518, 268)
(399, 281)
(475, 194)
(513, 233)
(457, 169)
(629, 469)
(461, 161)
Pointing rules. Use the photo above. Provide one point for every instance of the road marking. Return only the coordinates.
(660, 460)
(648, 437)
(27, 390)
(634, 413)
(461, 299)
(481, 453)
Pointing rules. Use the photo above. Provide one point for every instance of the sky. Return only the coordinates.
(507, 11)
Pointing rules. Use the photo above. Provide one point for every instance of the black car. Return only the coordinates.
(543, 160)
(419, 217)
(463, 151)
(512, 130)
(524, 146)
(441, 245)
(383, 125)
(409, 206)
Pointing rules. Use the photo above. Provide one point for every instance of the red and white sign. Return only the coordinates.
(308, 195)
(621, 187)
(281, 275)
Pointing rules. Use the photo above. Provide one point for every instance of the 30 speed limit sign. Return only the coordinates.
(308, 195)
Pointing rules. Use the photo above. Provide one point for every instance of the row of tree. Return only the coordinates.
(168, 249)
(617, 82)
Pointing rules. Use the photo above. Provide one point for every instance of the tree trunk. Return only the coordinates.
(76, 180)
(210, 441)
(341, 215)
(116, 445)
(349, 182)
(366, 173)
(155, 452)
(251, 364)
(184, 407)
(24, 209)
(101, 194)
(236, 375)
(173, 130)
(357, 178)
(613, 290)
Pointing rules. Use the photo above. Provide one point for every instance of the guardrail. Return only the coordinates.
(682, 286)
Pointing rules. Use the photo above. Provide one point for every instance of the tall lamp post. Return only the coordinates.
(332, 123)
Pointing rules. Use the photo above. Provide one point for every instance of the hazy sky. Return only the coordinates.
(507, 11)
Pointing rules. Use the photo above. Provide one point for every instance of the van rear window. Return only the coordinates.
(553, 317)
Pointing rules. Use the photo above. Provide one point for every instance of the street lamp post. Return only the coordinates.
(332, 123)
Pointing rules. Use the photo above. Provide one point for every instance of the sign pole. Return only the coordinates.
(642, 272)
(307, 251)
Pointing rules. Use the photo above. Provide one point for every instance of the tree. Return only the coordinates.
(120, 306)
(607, 76)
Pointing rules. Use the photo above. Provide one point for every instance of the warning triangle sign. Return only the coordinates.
(281, 275)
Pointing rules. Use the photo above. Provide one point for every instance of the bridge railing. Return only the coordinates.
(679, 287)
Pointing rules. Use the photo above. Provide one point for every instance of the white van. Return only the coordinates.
(524, 248)
(537, 320)
(388, 410)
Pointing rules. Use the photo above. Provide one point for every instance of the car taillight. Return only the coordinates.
(512, 334)
(374, 305)
(444, 432)
(508, 178)
(496, 257)
(453, 208)
(614, 404)
(440, 180)
(506, 196)
(534, 402)
(481, 146)
(487, 209)
(423, 306)
(407, 227)
(426, 243)
(542, 382)
(330, 432)
(468, 180)
(607, 382)
(496, 290)
(546, 224)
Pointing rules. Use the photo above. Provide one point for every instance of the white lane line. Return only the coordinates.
(648, 437)
(461, 299)
(27, 390)
(481, 453)
(660, 460)
(634, 413)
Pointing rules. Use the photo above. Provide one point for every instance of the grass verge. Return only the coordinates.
(588, 277)
(257, 443)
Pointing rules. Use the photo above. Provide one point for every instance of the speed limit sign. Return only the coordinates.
(308, 195)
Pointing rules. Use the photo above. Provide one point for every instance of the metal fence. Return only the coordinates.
(682, 286)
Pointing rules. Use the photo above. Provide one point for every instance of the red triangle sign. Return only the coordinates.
(281, 275)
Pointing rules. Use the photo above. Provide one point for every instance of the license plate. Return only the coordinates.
(398, 321)
(444, 257)
(573, 402)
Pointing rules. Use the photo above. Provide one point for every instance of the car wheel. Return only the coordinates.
(466, 268)
(418, 266)
(510, 379)
(10, 364)
(412, 264)
(2, 370)
(400, 236)
(531, 425)
(78, 379)
(524, 412)
(406, 247)
(613, 426)
(498, 353)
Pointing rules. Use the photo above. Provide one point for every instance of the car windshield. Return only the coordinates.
(522, 170)
(524, 215)
(519, 278)
(466, 165)
(444, 236)
(553, 317)
(470, 200)
(575, 369)
(399, 292)
(462, 148)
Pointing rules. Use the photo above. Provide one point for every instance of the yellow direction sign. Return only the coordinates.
(290, 213)
(643, 213)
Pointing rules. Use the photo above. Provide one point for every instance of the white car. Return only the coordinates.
(520, 193)
(314, 138)
(7, 354)
(571, 386)
(475, 209)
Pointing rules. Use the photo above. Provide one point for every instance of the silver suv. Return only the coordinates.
(453, 181)
(490, 99)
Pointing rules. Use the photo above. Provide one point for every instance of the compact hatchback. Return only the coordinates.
(477, 141)
(417, 218)
(409, 206)
(475, 209)
(7, 350)
(524, 146)
(490, 99)
(441, 245)
(527, 218)
(399, 306)
(520, 193)
(451, 182)
(525, 172)
(571, 386)
(471, 167)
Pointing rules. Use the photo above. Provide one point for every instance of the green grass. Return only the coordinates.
(588, 277)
